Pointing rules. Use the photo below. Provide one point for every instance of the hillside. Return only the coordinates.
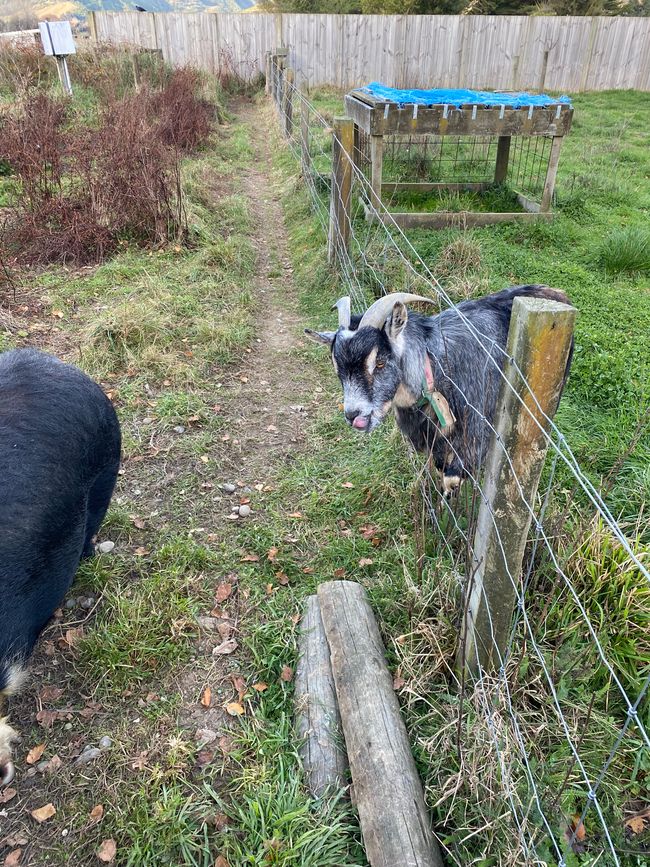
(21, 14)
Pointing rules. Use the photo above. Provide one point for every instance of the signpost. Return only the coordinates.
(58, 43)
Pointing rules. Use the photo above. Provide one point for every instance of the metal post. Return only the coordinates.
(341, 193)
(503, 155)
(64, 75)
(539, 342)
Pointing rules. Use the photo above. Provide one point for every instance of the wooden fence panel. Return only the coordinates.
(534, 53)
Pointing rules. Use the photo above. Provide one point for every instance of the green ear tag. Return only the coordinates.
(428, 398)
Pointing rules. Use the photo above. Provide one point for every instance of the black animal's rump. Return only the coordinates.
(59, 457)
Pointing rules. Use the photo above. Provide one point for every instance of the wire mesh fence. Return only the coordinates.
(564, 710)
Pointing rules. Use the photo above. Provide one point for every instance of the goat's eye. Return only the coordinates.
(379, 365)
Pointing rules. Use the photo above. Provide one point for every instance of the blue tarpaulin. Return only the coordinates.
(457, 98)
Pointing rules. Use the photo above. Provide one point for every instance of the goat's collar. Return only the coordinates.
(431, 397)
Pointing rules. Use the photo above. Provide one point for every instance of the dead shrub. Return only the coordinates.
(82, 189)
(24, 67)
(184, 118)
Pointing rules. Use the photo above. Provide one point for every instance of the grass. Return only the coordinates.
(626, 251)
(602, 416)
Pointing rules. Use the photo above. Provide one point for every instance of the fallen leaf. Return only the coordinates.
(42, 814)
(221, 862)
(226, 744)
(34, 754)
(240, 685)
(296, 618)
(347, 485)
(223, 591)
(139, 763)
(224, 629)
(269, 589)
(204, 757)
(13, 858)
(575, 834)
(339, 573)
(46, 718)
(287, 674)
(250, 558)
(234, 708)
(53, 765)
(368, 531)
(96, 814)
(6, 795)
(107, 851)
(140, 552)
(260, 687)
(138, 522)
(15, 840)
(308, 570)
(206, 698)
(225, 647)
(398, 682)
(282, 578)
(220, 821)
(296, 515)
(365, 561)
(271, 554)
(636, 824)
(73, 635)
(271, 428)
(51, 693)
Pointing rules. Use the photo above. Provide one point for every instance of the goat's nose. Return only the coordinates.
(351, 414)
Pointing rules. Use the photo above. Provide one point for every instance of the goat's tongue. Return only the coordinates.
(360, 422)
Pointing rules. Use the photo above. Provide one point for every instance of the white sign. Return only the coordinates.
(57, 38)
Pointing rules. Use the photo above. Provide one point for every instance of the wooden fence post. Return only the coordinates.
(551, 174)
(539, 341)
(304, 129)
(341, 191)
(268, 72)
(287, 101)
(376, 162)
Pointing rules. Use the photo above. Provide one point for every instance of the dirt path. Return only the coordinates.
(267, 408)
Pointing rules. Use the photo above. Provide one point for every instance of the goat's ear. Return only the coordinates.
(326, 337)
(397, 321)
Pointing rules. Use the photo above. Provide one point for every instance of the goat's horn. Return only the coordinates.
(378, 313)
(343, 306)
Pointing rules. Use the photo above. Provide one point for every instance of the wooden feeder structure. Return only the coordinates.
(519, 147)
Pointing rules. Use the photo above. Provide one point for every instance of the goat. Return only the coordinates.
(440, 374)
(59, 457)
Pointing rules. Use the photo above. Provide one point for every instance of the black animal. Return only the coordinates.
(59, 457)
(441, 374)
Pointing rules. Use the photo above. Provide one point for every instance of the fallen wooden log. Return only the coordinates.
(387, 789)
(317, 717)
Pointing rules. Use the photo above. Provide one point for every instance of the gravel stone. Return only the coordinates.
(105, 547)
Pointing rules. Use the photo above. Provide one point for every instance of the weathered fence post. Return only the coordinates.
(539, 342)
(304, 129)
(287, 101)
(268, 72)
(551, 174)
(341, 192)
(376, 162)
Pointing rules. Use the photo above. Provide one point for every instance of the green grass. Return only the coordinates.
(626, 251)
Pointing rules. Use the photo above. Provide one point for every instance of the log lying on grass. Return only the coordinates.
(387, 789)
(318, 722)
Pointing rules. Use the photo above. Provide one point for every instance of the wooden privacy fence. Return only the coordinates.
(505, 52)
